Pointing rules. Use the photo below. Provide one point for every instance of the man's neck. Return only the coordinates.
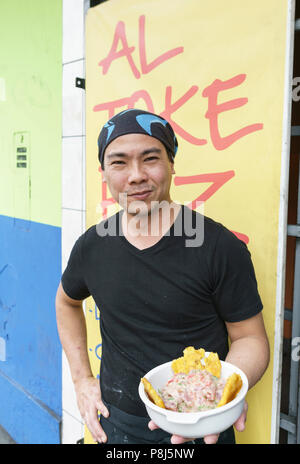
(145, 230)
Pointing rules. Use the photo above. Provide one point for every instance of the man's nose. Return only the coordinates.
(137, 173)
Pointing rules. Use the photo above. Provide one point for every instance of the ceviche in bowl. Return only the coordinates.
(195, 395)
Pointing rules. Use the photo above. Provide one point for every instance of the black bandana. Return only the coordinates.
(135, 121)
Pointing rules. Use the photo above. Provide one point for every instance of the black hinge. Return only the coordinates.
(80, 82)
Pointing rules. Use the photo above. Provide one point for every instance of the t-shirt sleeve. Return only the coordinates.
(72, 280)
(235, 287)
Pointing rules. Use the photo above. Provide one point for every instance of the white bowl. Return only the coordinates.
(193, 424)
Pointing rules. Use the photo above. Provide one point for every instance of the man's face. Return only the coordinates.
(138, 166)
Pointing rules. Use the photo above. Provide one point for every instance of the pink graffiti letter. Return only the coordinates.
(214, 109)
(148, 67)
(172, 107)
(120, 35)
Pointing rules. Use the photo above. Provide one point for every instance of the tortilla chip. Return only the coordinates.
(191, 359)
(154, 397)
(189, 350)
(232, 387)
(213, 364)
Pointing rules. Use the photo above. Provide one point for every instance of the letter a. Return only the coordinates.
(120, 35)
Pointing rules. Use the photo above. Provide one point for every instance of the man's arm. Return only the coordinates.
(72, 332)
(249, 349)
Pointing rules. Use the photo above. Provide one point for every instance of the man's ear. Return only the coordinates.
(173, 168)
(103, 175)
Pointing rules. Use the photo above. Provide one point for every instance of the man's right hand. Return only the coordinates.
(89, 403)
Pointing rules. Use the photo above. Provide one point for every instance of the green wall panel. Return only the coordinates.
(31, 104)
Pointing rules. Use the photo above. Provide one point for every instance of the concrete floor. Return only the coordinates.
(5, 438)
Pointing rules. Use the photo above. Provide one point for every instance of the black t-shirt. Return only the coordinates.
(155, 302)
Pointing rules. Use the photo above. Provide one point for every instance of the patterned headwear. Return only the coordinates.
(134, 121)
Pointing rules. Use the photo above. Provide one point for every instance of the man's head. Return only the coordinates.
(135, 121)
(136, 151)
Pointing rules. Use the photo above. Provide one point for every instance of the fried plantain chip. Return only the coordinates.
(153, 396)
(189, 350)
(232, 387)
(191, 359)
(213, 364)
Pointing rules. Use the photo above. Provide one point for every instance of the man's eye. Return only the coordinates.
(151, 158)
(118, 162)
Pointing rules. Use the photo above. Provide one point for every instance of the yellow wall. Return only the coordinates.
(170, 57)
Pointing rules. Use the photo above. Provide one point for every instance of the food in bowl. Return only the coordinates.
(198, 390)
(152, 394)
(201, 423)
(196, 385)
(192, 359)
(233, 385)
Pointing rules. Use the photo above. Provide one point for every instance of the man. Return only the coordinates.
(157, 292)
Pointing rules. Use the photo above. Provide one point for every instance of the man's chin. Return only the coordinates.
(138, 207)
(146, 207)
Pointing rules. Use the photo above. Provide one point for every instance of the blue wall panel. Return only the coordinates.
(30, 351)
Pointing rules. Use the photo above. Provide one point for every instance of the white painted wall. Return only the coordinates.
(73, 177)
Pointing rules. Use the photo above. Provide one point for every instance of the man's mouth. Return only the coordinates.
(142, 195)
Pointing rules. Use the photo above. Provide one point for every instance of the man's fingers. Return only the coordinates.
(102, 409)
(178, 440)
(89, 403)
(93, 424)
(240, 424)
(211, 439)
(175, 439)
(152, 425)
